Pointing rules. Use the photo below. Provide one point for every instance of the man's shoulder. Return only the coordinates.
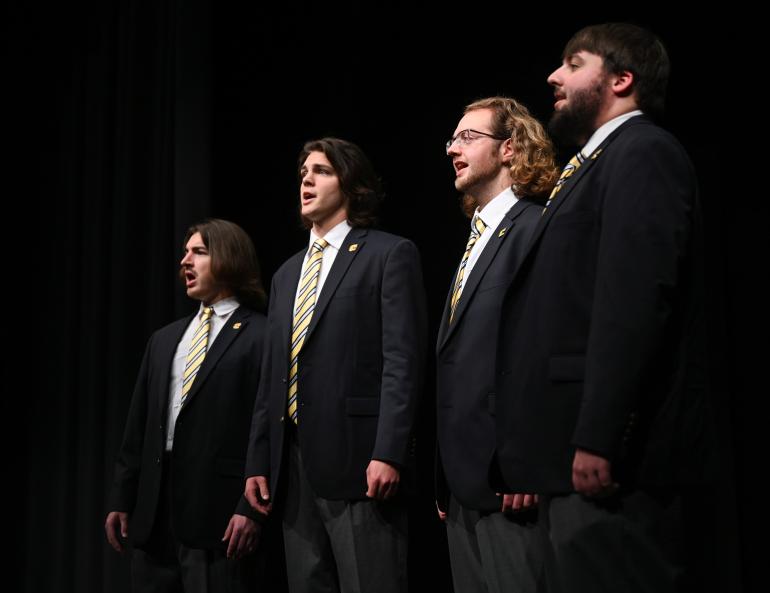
(642, 131)
(384, 240)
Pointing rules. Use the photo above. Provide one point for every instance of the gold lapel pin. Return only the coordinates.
(502, 231)
(237, 325)
(596, 154)
(353, 247)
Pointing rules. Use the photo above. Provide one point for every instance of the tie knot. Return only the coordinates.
(477, 225)
(320, 244)
(577, 160)
(207, 313)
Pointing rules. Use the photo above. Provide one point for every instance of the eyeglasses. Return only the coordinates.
(464, 138)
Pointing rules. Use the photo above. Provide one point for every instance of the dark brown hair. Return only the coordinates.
(358, 181)
(234, 261)
(627, 47)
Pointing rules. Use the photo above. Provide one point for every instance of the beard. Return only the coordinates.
(574, 124)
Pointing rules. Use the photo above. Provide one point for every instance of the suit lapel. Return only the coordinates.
(168, 349)
(479, 270)
(574, 181)
(340, 267)
(284, 305)
(224, 338)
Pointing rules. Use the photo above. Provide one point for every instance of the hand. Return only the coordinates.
(381, 480)
(513, 503)
(591, 475)
(257, 493)
(115, 520)
(441, 514)
(243, 534)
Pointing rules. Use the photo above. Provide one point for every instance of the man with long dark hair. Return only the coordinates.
(178, 485)
(331, 441)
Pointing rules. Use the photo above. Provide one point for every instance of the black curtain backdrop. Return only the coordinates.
(130, 119)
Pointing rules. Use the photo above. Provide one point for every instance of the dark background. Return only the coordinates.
(128, 120)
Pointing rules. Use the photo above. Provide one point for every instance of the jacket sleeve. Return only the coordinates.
(129, 460)
(404, 335)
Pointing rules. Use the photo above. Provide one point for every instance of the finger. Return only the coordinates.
(123, 525)
(264, 491)
(112, 538)
(232, 545)
(251, 494)
(604, 476)
(372, 487)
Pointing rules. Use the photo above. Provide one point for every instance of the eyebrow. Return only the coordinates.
(316, 166)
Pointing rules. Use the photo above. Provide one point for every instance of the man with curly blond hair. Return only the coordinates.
(504, 166)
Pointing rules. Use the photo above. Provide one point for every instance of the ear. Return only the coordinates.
(506, 150)
(622, 84)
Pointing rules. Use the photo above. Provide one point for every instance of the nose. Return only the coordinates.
(307, 178)
(554, 79)
(454, 148)
(186, 259)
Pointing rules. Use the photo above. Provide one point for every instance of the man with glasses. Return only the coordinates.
(504, 166)
(602, 404)
(331, 435)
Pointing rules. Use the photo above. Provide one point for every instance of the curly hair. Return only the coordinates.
(533, 167)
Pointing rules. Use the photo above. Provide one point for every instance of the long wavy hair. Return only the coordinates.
(533, 166)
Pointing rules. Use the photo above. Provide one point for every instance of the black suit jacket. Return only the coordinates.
(360, 368)
(210, 436)
(601, 337)
(466, 352)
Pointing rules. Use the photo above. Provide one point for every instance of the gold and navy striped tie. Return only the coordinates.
(303, 313)
(566, 173)
(477, 228)
(197, 352)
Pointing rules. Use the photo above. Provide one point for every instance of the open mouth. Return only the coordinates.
(459, 166)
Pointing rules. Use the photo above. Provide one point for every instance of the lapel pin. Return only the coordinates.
(596, 154)
(237, 325)
(353, 247)
(502, 231)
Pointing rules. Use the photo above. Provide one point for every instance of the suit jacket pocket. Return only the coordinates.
(362, 406)
(495, 281)
(230, 467)
(566, 369)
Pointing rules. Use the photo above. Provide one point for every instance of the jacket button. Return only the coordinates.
(157, 460)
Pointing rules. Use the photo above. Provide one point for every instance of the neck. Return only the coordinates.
(219, 297)
(321, 227)
(484, 195)
(617, 108)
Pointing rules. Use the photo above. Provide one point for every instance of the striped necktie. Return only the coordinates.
(477, 228)
(303, 313)
(566, 173)
(197, 352)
